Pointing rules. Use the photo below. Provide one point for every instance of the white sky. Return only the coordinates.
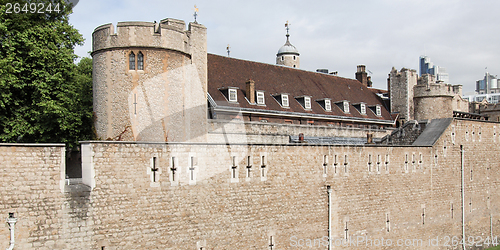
(461, 35)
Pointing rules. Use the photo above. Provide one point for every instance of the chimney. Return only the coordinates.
(361, 75)
(250, 91)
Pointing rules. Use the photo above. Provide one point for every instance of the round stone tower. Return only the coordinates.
(288, 55)
(432, 100)
(150, 81)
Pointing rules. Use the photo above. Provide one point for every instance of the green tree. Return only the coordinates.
(44, 96)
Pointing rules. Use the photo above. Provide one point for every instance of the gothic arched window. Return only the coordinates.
(131, 61)
(140, 61)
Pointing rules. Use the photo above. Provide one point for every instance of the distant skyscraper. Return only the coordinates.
(488, 85)
(427, 67)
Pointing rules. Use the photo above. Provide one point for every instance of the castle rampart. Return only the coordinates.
(192, 195)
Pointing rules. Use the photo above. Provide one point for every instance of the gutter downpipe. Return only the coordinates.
(11, 220)
(462, 159)
(329, 190)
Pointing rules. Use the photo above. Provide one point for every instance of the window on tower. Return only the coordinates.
(140, 61)
(131, 61)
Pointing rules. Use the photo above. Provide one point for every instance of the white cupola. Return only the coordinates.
(288, 55)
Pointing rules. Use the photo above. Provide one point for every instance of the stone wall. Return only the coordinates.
(33, 188)
(209, 200)
(237, 131)
(216, 210)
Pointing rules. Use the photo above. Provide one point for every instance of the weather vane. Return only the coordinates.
(195, 13)
(228, 51)
(287, 26)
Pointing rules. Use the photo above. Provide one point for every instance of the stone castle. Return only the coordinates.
(200, 151)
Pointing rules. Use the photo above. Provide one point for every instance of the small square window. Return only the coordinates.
(328, 105)
(260, 98)
(307, 102)
(232, 95)
(284, 100)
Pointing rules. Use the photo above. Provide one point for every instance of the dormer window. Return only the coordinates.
(304, 101)
(260, 98)
(307, 102)
(361, 107)
(377, 109)
(284, 100)
(232, 95)
(328, 105)
(345, 104)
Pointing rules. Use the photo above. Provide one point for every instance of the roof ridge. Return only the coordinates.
(282, 67)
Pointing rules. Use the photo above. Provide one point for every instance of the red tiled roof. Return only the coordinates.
(226, 72)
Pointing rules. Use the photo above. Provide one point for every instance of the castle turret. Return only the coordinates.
(288, 55)
(401, 92)
(434, 100)
(150, 81)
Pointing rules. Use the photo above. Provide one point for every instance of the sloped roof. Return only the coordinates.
(224, 72)
(433, 130)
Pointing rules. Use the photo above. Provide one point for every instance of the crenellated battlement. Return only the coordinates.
(427, 87)
(167, 34)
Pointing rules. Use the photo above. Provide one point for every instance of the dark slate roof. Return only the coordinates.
(433, 130)
(226, 72)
